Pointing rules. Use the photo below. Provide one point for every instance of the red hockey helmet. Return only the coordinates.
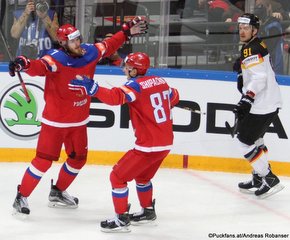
(138, 60)
(67, 32)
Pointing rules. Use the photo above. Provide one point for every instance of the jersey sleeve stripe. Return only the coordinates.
(50, 63)
(130, 95)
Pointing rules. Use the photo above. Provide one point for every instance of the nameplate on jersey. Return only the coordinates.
(152, 82)
(252, 61)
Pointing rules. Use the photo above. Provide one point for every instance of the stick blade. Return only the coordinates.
(230, 129)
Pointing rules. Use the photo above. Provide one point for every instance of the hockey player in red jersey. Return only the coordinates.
(150, 100)
(65, 114)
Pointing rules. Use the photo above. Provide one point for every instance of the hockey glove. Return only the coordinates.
(84, 85)
(134, 27)
(243, 107)
(20, 63)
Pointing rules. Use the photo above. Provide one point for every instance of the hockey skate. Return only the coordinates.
(251, 185)
(146, 215)
(20, 204)
(270, 185)
(120, 223)
(59, 199)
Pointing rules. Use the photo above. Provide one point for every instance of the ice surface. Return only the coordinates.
(189, 204)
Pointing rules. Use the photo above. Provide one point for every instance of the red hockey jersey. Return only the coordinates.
(63, 108)
(150, 100)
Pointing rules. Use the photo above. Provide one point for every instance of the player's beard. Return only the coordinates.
(76, 52)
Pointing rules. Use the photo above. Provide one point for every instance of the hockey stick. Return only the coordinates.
(191, 110)
(8, 49)
(232, 130)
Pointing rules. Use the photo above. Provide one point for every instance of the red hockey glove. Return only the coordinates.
(135, 27)
(84, 85)
(20, 63)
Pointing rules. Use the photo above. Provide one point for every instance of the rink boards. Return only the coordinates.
(201, 140)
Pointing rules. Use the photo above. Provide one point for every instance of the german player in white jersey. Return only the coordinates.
(150, 100)
(258, 107)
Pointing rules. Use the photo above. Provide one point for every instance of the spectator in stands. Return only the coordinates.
(285, 6)
(236, 9)
(270, 14)
(221, 11)
(58, 7)
(115, 59)
(186, 8)
(35, 27)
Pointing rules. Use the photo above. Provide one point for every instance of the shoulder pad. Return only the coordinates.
(91, 54)
(102, 47)
(256, 47)
(134, 85)
(57, 54)
(49, 62)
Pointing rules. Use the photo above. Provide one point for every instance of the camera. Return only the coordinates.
(42, 6)
(30, 50)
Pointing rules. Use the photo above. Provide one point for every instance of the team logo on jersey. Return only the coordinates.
(19, 118)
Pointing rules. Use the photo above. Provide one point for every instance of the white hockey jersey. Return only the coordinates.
(259, 77)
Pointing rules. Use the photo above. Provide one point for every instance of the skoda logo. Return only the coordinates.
(21, 119)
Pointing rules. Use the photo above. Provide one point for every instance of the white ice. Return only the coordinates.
(189, 204)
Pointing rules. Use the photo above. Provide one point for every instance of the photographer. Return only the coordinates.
(35, 28)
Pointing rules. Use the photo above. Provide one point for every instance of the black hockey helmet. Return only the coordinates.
(251, 19)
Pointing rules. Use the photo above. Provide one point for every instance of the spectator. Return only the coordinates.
(58, 7)
(273, 8)
(186, 8)
(236, 9)
(285, 6)
(216, 11)
(35, 27)
(267, 11)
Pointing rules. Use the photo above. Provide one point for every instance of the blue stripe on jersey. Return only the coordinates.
(144, 188)
(118, 193)
(129, 99)
(91, 55)
(171, 93)
(133, 84)
(33, 174)
(68, 171)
